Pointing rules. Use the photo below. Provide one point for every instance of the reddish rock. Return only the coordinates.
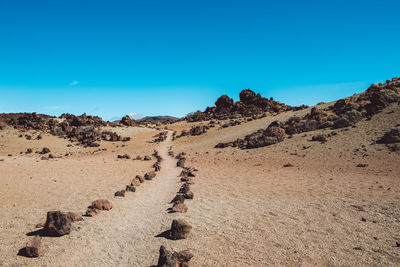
(102, 204)
(180, 207)
(141, 178)
(91, 212)
(185, 256)
(34, 247)
(135, 182)
(74, 217)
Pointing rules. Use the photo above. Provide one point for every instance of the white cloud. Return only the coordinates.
(73, 83)
(135, 116)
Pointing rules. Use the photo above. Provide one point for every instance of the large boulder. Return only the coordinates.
(224, 102)
(180, 229)
(57, 223)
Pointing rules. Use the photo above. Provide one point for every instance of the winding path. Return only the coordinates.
(127, 235)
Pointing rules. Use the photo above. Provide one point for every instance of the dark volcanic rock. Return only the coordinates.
(150, 175)
(180, 229)
(57, 223)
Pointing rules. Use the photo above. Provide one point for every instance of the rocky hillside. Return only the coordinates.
(83, 129)
(344, 113)
(249, 105)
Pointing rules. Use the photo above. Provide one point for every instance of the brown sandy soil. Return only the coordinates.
(248, 209)
(251, 211)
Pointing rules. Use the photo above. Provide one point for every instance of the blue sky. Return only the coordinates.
(111, 58)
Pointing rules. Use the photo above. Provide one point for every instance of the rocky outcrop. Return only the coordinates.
(344, 113)
(272, 135)
(127, 121)
(84, 129)
(250, 104)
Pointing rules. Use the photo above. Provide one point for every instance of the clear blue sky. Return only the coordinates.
(111, 58)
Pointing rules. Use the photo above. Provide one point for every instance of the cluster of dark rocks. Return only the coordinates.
(272, 135)
(250, 104)
(83, 129)
(160, 137)
(344, 113)
(194, 131)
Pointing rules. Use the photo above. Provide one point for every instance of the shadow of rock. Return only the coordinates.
(22, 253)
(164, 234)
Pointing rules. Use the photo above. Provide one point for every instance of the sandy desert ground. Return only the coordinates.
(248, 209)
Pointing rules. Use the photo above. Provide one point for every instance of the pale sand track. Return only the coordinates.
(124, 236)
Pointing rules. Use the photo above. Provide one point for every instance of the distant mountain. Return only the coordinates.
(156, 119)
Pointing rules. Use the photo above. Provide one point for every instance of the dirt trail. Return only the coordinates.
(126, 235)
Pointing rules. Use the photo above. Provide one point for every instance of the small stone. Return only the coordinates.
(180, 207)
(135, 182)
(102, 204)
(141, 178)
(150, 175)
(91, 212)
(120, 193)
(74, 217)
(130, 188)
(180, 229)
(34, 247)
(179, 198)
(147, 158)
(185, 255)
(45, 150)
(188, 195)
